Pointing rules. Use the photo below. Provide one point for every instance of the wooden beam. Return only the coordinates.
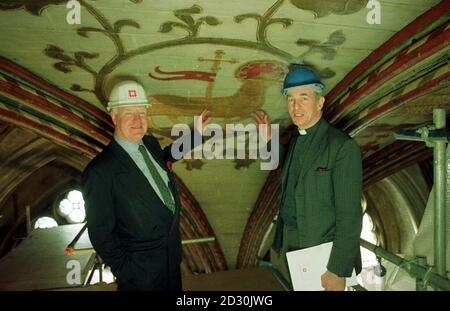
(437, 42)
(405, 34)
(24, 74)
(40, 103)
(4, 132)
(46, 131)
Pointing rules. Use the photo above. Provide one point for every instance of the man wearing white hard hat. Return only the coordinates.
(321, 184)
(131, 199)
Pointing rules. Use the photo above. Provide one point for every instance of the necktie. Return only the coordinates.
(163, 188)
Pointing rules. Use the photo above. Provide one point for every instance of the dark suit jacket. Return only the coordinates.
(328, 198)
(128, 224)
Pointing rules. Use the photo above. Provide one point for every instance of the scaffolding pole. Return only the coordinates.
(71, 250)
(424, 273)
(436, 136)
(439, 195)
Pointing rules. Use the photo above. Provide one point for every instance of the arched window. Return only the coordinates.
(370, 277)
(368, 258)
(368, 233)
(71, 207)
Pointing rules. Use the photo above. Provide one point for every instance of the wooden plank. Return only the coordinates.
(254, 279)
(5, 130)
(39, 262)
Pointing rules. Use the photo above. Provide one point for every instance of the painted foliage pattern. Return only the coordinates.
(190, 20)
(252, 78)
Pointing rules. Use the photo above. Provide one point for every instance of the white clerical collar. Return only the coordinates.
(302, 132)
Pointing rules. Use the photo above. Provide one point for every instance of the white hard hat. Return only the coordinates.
(127, 93)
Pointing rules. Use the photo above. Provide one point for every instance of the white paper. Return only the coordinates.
(307, 265)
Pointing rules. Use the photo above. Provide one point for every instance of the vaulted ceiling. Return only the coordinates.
(229, 56)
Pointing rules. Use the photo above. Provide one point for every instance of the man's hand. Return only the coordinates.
(205, 120)
(332, 282)
(260, 118)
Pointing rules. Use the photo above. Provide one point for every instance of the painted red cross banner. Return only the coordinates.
(132, 93)
(184, 75)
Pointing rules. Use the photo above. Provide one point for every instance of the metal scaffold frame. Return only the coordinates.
(435, 136)
(98, 263)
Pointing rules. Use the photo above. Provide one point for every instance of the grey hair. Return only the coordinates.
(318, 90)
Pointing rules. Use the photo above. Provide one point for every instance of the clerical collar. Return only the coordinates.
(310, 130)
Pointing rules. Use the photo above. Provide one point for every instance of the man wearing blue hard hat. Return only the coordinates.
(321, 184)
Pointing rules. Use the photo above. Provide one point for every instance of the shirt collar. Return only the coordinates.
(127, 145)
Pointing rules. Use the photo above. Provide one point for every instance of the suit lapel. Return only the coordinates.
(129, 167)
(288, 162)
(317, 145)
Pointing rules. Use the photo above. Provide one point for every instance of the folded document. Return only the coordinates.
(307, 265)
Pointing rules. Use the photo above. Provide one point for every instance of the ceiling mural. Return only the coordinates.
(229, 57)
(327, 7)
(190, 22)
(254, 78)
(34, 7)
(193, 164)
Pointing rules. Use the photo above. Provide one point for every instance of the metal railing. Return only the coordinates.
(71, 250)
(416, 268)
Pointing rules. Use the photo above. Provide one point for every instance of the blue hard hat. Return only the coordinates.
(300, 75)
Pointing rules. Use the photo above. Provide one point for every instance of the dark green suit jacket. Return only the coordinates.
(328, 198)
(128, 224)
